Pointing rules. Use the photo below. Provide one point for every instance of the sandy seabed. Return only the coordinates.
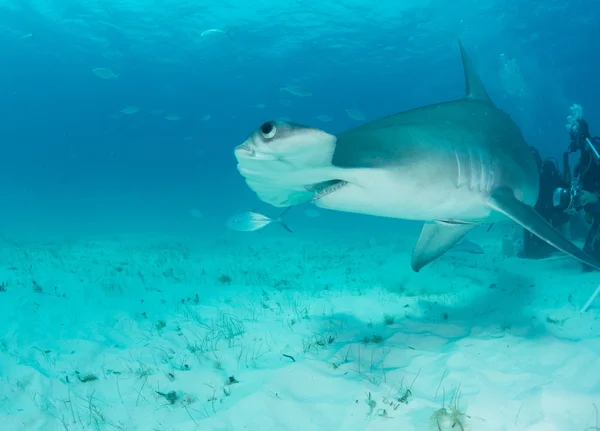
(279, 334)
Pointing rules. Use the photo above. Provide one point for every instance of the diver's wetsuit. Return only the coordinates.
(550, 179)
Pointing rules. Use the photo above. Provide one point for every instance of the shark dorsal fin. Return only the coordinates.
(475, 88)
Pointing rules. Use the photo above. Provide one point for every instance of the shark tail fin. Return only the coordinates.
(475, 87)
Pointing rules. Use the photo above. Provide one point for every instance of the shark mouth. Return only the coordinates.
(245, 148)
(326, 188)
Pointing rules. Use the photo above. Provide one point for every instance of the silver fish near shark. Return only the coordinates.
(251, 221)
(454, 165)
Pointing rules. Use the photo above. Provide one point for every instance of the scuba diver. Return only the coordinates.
(584, 189)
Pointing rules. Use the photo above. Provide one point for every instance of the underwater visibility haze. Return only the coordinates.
(144, 285)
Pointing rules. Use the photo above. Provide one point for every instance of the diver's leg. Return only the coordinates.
(527, 247)
(534, 247)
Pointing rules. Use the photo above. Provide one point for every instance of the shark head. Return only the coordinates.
(282, 161)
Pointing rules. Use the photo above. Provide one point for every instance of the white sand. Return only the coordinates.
(91, 332)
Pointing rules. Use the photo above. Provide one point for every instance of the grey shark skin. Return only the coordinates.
(453, 165)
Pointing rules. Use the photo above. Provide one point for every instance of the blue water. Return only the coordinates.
(116, 262)
(69, 164)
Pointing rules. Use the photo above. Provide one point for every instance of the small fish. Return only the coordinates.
(172, 117)
(104, 73)
(355, 114)
(251, 221)
(467, 246)
(215, 31)
(324, 118)
(296, 91)
(130, 110)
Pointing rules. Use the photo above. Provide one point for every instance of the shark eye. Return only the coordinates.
(268, 130)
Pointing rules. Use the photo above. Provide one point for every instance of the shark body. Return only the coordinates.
(453, 165)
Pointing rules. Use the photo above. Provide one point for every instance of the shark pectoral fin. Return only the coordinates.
(435, 240)
(504, 201)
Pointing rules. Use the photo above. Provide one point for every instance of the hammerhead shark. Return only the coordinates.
(453, 165)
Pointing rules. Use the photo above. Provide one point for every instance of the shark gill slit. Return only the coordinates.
(485, 167)
(481, 185)
(458, 170)
(477, 173)
(471, 169)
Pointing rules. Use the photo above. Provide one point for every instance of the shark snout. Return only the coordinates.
(252, 153)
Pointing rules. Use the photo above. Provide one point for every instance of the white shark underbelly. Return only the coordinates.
(384, 194)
